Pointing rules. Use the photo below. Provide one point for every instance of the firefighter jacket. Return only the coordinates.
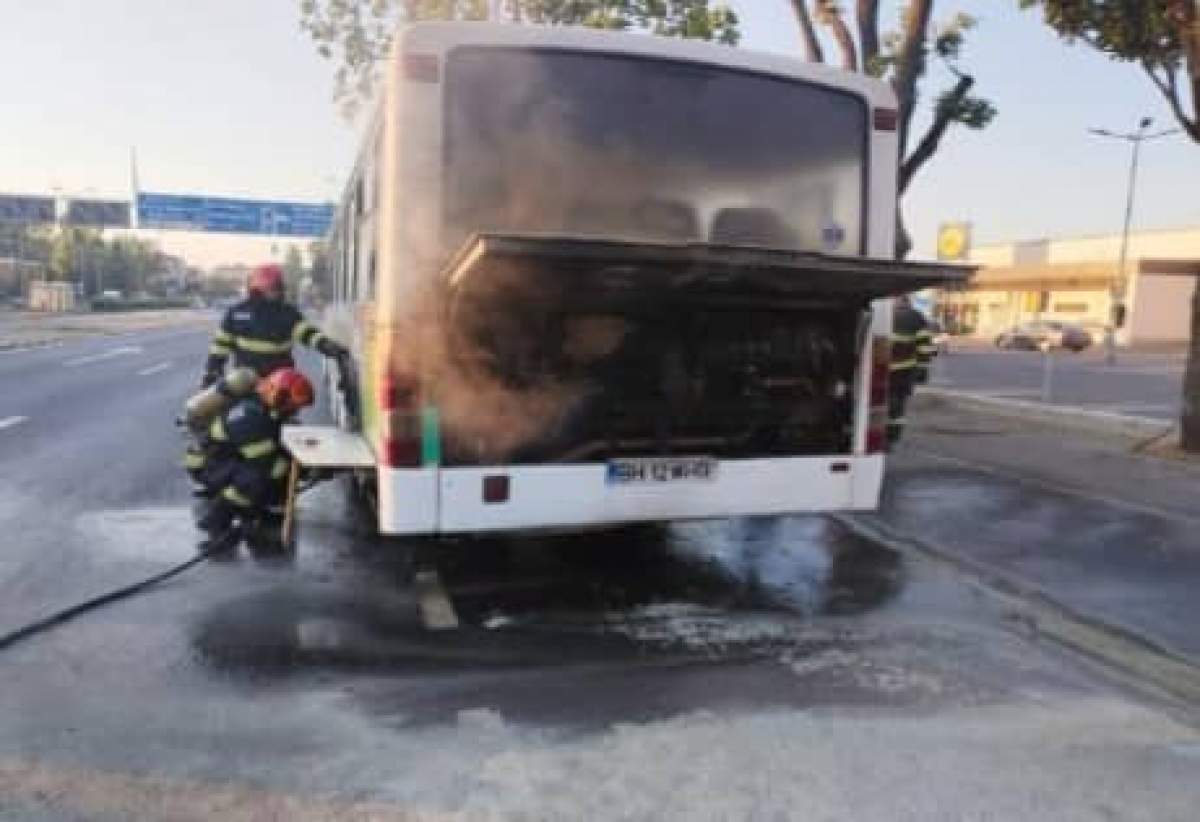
(912, 347)
(240, 459)
(259, 333)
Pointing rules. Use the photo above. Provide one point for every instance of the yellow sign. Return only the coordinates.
(954, 240)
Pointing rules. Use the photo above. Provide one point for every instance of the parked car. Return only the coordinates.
(1032, 335)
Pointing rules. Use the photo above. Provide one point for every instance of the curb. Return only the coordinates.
(1074, 417)
(1130, 652)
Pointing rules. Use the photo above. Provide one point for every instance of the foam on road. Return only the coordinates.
(155, 369)
(123, 351)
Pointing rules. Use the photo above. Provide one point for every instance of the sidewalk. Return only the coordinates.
(1075, 517)
(27, 329)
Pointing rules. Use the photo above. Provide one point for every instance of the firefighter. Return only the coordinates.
(240, 466)
(259, 331)
(912, 348)
(926, 350)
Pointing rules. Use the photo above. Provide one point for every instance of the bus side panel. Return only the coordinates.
(558, 496)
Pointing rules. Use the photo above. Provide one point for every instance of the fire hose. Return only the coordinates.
(217, 546)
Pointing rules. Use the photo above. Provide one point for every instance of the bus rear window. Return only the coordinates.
(639, 148)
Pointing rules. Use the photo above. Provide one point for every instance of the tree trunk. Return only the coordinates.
(910, 63)
(812, 46)
(1190, 21)
(832, 17)
(928, 145)
(1191, 382)
(867, 16)
(903, 238)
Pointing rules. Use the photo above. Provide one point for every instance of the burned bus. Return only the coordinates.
(595, 278)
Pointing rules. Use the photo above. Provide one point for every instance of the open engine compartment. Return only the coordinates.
(658, 349)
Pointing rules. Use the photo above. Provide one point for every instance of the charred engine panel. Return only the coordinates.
(674, 379)
(687, 379)
(625, 349)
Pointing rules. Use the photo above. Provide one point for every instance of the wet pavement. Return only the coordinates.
(1108, 533)
(1140, 384)
(773, 668)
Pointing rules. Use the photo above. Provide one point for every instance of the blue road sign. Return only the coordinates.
(226, 214)
(22, 209)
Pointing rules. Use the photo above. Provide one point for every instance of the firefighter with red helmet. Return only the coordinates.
(240, 466)
(260, 330)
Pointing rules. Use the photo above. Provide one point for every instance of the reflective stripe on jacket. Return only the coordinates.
(259, 333)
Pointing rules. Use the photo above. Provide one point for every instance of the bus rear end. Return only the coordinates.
(662, 306)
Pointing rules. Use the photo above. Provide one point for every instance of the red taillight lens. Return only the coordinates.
(401, 434)
(881, 364)
(421, 68)
(886, 119)
(496, 489)
(401, 453)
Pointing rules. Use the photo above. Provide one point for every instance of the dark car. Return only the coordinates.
(1032, 336)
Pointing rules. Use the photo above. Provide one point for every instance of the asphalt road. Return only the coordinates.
(1139, 384)
(763, 669)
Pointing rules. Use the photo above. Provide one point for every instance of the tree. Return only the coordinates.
(357, 33)
(321, 269)
(902, 57)
(293, 271)
(1162, 37)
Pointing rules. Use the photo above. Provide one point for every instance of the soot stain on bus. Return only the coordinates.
(535, 367)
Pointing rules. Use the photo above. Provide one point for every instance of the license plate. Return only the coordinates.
(659, 470)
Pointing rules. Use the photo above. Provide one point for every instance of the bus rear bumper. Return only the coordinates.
(531, 497)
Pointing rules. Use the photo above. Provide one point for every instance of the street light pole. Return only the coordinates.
(1116, 289)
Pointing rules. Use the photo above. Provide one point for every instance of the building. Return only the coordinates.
(1076, 280)
(51, 297)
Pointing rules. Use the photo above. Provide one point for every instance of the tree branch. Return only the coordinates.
(812, 46)
(867, 17)
(910, 62)
(942, 118)
(1169, 87)
(832, 17)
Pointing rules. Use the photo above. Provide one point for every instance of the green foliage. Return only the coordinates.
(82, 255)
(1131, 31)
(293, 271)
(321, 269)
(1155, 34)
(970, 111)
(357, 33)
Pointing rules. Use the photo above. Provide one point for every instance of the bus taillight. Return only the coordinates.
(401, 430)
(881, 360)
(422, 68)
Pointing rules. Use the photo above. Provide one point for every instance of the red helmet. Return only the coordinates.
(286, 390)
(265, 279)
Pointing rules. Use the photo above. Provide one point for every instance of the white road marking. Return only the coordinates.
(437, 611)
(25, 349)
(1134, 408)
(154, 369)
(123, 351)
(9, 422)
(1005, 392)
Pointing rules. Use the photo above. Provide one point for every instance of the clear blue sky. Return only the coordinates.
(228, 96)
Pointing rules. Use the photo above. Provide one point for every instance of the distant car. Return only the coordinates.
(1033, 335)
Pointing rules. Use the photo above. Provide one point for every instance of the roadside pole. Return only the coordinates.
(1118, 286)
(1047, 371)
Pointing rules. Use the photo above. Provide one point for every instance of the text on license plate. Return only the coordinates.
(661, 469)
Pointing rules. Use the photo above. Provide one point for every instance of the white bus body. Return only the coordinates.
(457, 123)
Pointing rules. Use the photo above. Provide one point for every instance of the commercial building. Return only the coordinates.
(1077, 280)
